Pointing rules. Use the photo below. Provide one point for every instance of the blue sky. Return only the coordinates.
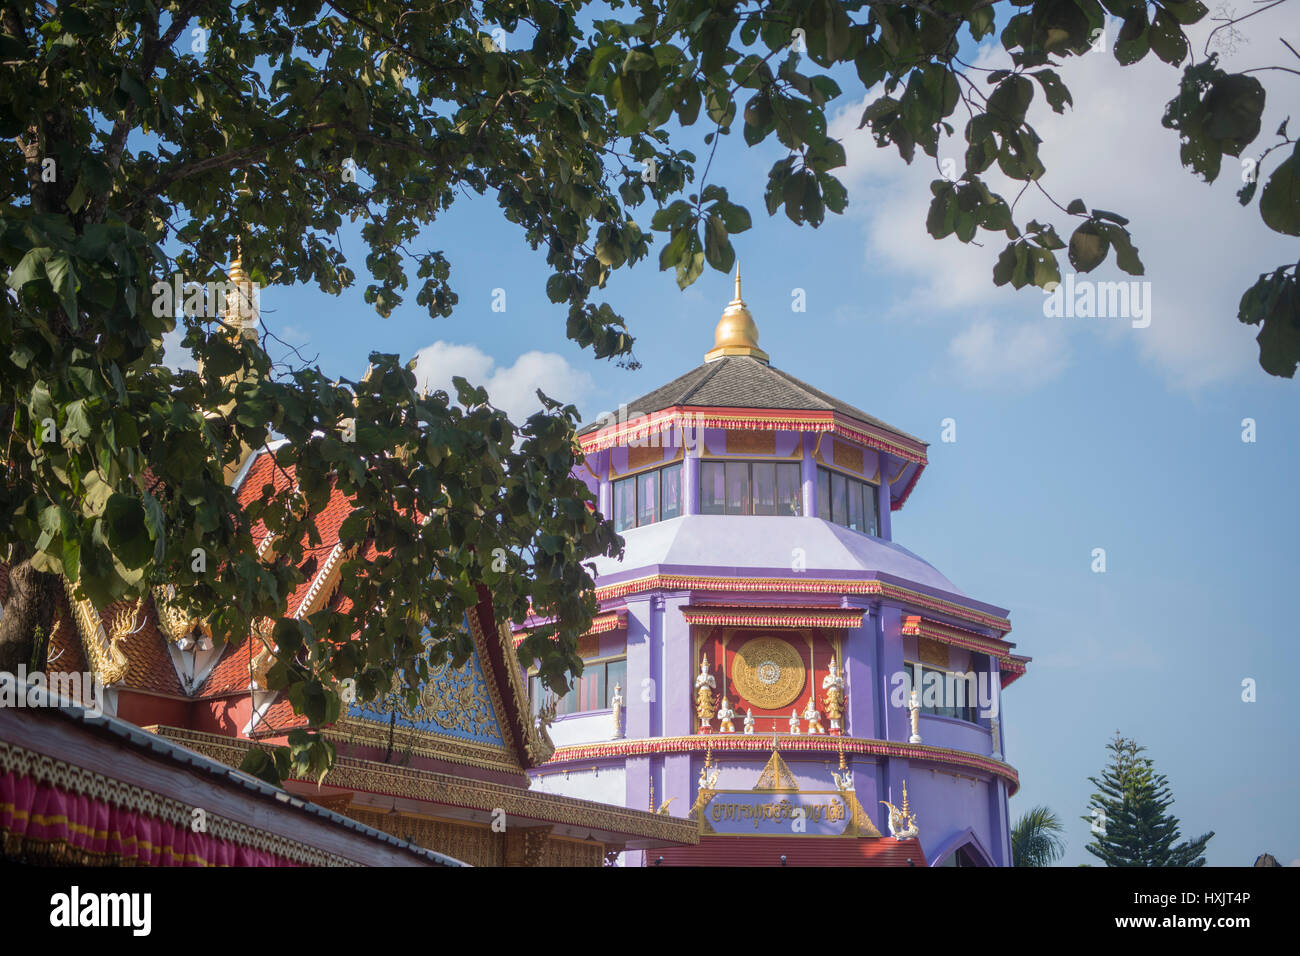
(1072, 434)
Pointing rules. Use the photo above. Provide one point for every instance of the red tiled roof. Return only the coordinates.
(231, 673)
(279, 719)
(64, 654)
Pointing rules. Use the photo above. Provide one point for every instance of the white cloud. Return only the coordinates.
(1201, 249)
(1026, 354)
(512, 388)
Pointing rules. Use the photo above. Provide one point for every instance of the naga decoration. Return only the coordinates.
(902, 823)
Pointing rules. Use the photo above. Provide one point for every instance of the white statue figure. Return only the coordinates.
(616, 705)
(704, 687)
(749, 720)
(725, 713)
(704, 677)
(814, 717)
(794, 721)
(833, 686)
(914, 705)
(993, 725)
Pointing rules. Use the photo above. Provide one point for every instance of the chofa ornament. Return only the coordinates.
(902, 823)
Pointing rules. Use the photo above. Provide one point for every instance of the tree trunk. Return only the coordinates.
(33, 596)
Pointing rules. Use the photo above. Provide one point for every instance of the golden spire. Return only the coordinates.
(736, 334)
(241, 309)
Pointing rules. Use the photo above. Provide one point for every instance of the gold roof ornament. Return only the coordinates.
(737, 333)
(241, 306)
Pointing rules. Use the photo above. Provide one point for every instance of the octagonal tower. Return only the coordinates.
(761, 577)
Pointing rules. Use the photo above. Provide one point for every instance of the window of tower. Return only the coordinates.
(750, 488)
(847, 501)
(647, 497)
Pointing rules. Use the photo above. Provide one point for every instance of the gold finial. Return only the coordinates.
(737, 333)
(241, 309)
(843, 765)
(652, 796)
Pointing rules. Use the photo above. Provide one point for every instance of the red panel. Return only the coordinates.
(145, 709)
(798, 851)
(822, 649)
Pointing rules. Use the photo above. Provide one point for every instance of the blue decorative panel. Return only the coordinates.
(454, 702)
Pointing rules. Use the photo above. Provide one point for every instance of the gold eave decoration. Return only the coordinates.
(107, 660)
(174, 622)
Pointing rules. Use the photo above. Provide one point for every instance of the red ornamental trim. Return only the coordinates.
(613, 621)
(760, 743)
(642, 426)
(919, 627)
(774, 617)
(896, 499)
(692, 582)
(1012, 669)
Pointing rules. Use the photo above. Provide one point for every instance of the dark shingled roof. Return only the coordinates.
(736, 381)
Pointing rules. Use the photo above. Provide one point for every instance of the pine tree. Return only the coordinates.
(1130, 822)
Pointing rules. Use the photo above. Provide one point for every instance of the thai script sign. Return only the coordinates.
(813, 814)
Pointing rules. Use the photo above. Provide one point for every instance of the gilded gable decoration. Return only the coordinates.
(106, 659)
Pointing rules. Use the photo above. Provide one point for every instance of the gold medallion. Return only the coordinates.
(768, 672)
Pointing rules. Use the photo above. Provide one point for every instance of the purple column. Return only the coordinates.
(677, 684)
(889, 655)
(808, 474)
(859, 650)
(656, 605)
(642, 682)
(995, 688)
(638, 798)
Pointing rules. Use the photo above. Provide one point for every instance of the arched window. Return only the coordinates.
(962, 856)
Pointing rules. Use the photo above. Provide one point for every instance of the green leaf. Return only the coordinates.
(1167, 39)
(64, 280)
(128, 535)
(1126, 254)
(1186, 11)
(1134, 40)
(1010, 100)
(717, 247)
(1279, 201)
(1058, 96)
(30, 268)
(1088, 247)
